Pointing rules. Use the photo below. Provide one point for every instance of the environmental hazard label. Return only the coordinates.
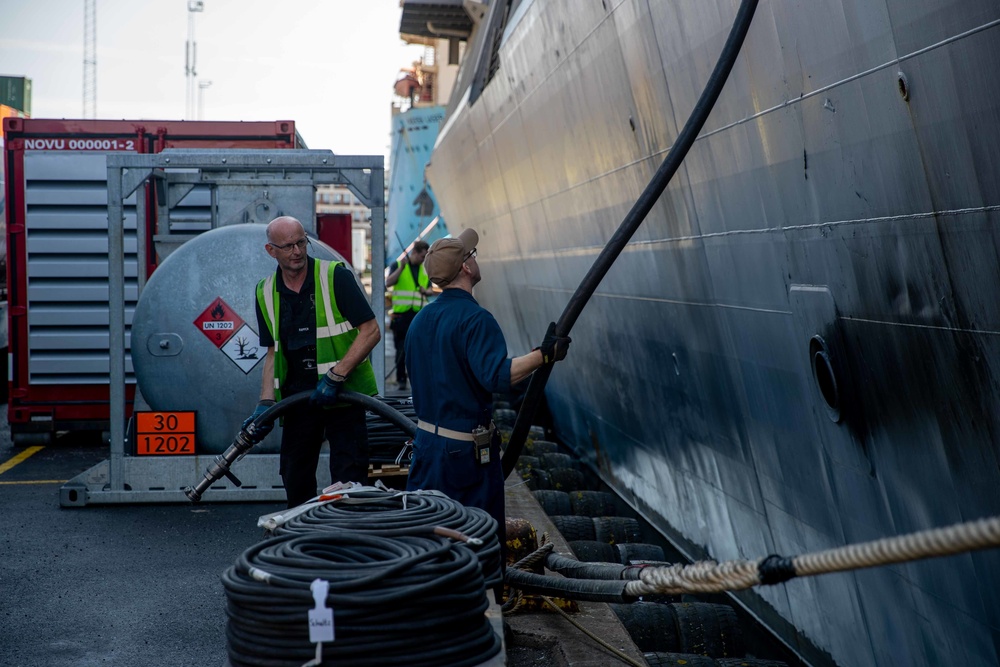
(230, 334)
(244, 349)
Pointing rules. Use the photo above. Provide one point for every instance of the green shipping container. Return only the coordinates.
(15, 92)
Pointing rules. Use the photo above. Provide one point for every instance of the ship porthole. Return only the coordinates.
(903, 86)
(824, 376)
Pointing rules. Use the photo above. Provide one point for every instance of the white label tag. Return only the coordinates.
(321, 617)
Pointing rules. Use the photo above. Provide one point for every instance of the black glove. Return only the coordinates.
(326, 390)
(553, 347)
(260, 431)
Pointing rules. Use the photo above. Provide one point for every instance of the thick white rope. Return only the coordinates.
(712, 577)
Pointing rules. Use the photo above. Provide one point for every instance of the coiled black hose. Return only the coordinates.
(634, 218)
(386, 440)
(391, 514)
(416, 601)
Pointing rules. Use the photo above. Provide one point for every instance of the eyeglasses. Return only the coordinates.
(471, 254)
(300, 244)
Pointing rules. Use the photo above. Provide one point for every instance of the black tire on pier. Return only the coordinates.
(525, 462)
(537, 479)
(671, 659)
(504, 417)
(709, 629)
(592, 551)
(574, 527)
(553, 502)
(633, 553)
(567, 479)
(593, 503)
(539, 447)
(651, 626)
(616, 529)
(557, 460)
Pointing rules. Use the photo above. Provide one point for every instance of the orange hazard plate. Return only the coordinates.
(164, 433)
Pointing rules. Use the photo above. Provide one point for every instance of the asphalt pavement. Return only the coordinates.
(110, 585)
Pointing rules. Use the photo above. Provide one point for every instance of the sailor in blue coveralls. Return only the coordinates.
(456, 356)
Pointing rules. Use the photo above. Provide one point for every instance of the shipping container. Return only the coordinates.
(15, 92)
(57, 246)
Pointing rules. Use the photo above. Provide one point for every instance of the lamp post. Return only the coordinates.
(202, 86)
(191, 56)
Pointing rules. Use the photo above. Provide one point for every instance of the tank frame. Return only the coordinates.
(241, 181)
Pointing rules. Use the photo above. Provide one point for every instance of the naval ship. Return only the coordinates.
(800, 346)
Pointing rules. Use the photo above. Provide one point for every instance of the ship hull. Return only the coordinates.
(799, 348)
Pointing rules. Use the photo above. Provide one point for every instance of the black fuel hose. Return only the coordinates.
(587, 590)
(574, 569)
(390, 514)
(400, 600)
(634, 218)
(369, 403)
(244, 442)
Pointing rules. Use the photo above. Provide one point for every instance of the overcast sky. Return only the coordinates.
(329, 65)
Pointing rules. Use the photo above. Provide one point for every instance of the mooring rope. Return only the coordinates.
(734, 575)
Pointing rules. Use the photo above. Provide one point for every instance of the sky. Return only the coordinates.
(328, 65)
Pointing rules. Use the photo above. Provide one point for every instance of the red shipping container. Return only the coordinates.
(56, 214)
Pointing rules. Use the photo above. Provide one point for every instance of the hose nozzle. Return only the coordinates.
(219, 467)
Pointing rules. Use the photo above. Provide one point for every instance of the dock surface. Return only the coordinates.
(139, 584)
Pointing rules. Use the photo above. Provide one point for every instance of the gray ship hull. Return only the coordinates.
(800, 348)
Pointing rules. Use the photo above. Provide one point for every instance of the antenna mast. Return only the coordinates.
(90, 59)
(190, 58)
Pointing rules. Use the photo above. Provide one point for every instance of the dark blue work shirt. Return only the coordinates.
(456, 357)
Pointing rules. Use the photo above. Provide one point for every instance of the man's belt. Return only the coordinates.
(446, 432)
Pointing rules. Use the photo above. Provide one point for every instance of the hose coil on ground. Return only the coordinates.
(386, 440)
(417, 601)
(391, 514)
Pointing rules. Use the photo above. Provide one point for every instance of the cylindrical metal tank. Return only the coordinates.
(194, 332)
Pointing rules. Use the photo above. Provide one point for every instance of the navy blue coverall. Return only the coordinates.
(456, 356)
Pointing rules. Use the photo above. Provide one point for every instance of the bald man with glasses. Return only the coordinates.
(319, 329)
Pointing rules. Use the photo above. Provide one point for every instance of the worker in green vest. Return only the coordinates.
(410, 289)
(318, 328)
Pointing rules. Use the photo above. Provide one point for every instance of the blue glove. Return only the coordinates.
(326, 390)
(553, 347)
(259, 432)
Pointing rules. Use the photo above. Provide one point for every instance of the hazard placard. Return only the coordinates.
(219, 322)
(164, 433)
(243, 348)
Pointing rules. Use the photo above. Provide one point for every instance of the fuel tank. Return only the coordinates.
(195, 342)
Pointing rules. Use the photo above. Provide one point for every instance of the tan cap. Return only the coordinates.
(444, 259)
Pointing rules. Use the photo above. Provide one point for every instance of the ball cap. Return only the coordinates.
(444, 259)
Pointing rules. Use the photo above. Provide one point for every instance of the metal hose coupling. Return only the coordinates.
(219, 467)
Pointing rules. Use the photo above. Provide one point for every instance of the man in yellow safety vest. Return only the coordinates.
(318, 328)
(410, 288)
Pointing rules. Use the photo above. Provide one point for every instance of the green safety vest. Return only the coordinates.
(405, 295)
(334, 334)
